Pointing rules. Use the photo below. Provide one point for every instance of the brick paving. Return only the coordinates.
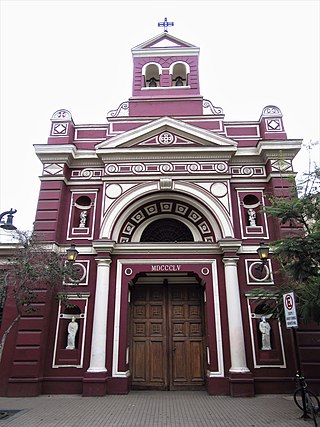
(153, 409)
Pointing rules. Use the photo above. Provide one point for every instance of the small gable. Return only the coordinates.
(163, 40)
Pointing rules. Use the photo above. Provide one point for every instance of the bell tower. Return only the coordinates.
(165, 78)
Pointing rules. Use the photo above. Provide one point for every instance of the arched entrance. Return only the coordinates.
(167, 333)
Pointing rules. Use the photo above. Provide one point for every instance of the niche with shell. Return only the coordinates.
(251, 203)
(81, 218)
(252, 216)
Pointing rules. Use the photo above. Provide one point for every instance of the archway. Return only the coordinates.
(127, 204)
(167, 333)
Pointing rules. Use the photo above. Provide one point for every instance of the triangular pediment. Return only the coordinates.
(167, 132)
(161, 41)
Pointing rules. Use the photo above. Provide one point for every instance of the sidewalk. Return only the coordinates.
(153, 409)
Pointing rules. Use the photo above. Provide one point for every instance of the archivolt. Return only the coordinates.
(127, 206)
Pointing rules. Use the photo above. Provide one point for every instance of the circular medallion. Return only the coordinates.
(219, 189)
(113, 191)
(128, 271)
(205, 271)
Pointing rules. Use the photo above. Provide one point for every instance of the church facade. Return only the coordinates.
(165, 204)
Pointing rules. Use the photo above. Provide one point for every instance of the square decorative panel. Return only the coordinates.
(59, 129)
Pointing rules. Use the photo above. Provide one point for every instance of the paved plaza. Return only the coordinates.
(152, 408)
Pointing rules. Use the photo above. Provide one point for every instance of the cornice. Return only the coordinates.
(167, 154)
(277, 149)
(166, 248)
(166, 51)
(68, 154)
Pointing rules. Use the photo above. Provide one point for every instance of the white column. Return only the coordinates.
(236, 336)
(99, 330)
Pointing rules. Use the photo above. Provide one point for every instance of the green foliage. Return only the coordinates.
(33, 267)
(299, 252)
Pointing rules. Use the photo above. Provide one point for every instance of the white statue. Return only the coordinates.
(265, 329)
(252, 217)
(72, 332)
(83, 219)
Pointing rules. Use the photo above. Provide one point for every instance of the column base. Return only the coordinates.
(241, 384)
(95, 384)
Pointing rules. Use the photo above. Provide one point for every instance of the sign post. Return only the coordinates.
(292, 323)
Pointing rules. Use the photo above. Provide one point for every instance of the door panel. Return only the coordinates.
(186, 325)
(167, 348)
(148, 329)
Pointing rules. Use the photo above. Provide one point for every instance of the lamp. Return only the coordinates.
(72, 253)
(263, 252)
(8, 224)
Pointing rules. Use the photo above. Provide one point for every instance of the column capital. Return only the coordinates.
(101, 261)
(230, 260)
(103, 246)
(229, 246)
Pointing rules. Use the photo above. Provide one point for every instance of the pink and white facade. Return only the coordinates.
(165, 205)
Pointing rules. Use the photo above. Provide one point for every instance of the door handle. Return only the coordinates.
(174, 349)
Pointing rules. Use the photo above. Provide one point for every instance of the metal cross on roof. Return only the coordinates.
(165, 24)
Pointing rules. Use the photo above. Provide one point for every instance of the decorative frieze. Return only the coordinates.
(85, 174)
(247, 171)
(150, 168)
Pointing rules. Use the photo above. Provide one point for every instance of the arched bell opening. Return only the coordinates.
(151, 73)
(179, 72)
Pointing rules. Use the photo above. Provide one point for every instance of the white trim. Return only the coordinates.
(143, 70)
(253, 281)
(82, 316)
(180, 62)
(165, 88)
(264, 235)
(255, 365)
(212, 208)
(168, 51)
(84, 235)
(121, 263)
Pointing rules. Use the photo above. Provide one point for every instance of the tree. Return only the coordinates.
(32, 267)
(298, 253)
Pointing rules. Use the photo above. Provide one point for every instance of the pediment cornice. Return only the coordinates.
(196, 137)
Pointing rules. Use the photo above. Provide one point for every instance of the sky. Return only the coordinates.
(76, 55)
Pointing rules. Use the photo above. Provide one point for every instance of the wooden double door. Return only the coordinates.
(167, 337)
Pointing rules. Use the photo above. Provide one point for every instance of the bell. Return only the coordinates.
(179, 81)
(152, 82)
